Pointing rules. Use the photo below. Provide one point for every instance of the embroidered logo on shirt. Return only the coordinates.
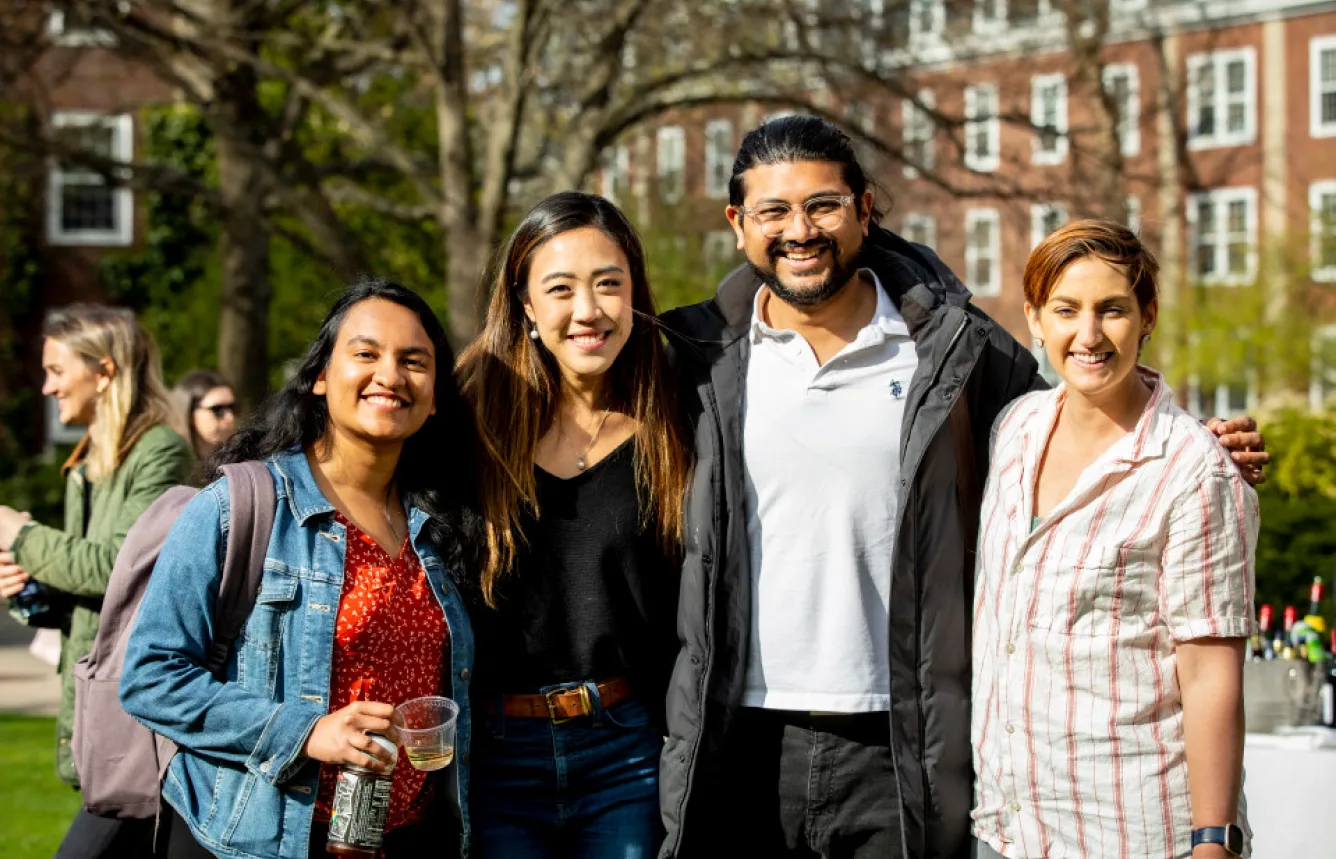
(897, 390)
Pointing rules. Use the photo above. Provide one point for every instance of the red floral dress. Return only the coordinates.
(390, 644)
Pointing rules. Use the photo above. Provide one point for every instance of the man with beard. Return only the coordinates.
(842, 390)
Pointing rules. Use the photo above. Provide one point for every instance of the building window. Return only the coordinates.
(926, 18)
(917, 133)
(921, 229)
(982, 128)
(1222, 98)
(1322, 378)
(1134, 214)
(989, 15)
(1322, 86)
(1048, 114)
(1122, 83)
(617, 174)
(1223, 226)
(983, 251)
(672, 163)
(718, 157)
(1226, 398)
(1322, 232)
(1044, 219)
(83, 208)
(65, 28)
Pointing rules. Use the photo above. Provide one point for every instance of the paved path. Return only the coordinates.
(27, 685)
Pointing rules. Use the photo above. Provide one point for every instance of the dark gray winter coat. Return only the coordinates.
(961, 352)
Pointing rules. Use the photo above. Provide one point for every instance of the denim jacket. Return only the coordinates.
(240, 780)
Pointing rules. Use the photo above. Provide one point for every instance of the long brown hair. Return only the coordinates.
(514, 386)
(134, 402)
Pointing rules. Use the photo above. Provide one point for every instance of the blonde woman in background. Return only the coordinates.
(103, 369)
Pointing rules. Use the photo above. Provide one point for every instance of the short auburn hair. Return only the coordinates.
(1100, 238)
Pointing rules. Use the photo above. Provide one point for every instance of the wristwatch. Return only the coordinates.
(1229, 835)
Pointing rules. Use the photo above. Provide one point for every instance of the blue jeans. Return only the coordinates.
(584, 789)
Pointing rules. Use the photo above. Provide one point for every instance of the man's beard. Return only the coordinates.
(837, 276)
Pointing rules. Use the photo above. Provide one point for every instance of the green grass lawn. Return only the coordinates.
(35, 805)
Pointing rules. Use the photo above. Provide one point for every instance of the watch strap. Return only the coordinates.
(1229, 836)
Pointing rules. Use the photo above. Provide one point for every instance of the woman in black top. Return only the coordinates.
(582, 487)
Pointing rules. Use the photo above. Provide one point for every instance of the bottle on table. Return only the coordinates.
(1284, 640)
(1327, 711)
(1262, 647)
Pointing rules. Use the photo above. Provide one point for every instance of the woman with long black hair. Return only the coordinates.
(582, 489)
(370, 449)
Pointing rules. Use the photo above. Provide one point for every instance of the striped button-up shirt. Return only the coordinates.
(1078, 718)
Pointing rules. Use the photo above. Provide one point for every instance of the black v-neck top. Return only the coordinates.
(592, 596)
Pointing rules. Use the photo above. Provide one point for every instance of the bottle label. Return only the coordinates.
(361, 804)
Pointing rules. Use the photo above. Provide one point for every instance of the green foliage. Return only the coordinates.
(36, 485)
(169, 281)
(1298, 535)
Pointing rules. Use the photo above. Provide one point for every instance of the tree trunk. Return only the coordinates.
(467, 254)
(243, 246)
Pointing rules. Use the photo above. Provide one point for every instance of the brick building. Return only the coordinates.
(1209, 126)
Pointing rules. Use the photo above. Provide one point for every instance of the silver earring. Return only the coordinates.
(533, 333)
(1038, 344)
(1145, 338)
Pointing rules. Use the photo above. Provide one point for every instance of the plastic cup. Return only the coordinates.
(428, 731)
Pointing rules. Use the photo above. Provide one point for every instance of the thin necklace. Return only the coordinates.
(581, 459)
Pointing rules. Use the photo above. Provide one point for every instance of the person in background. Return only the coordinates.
(103, 369)
(371, 451)
(207, 410)
(582, 490)
(1113, 590)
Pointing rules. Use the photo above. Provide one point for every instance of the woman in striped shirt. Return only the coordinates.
(1114, 588)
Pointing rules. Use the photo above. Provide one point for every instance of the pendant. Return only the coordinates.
(580, 463)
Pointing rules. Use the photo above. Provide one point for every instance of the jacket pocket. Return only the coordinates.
(259, 649)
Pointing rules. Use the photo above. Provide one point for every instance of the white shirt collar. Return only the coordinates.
(886, 319)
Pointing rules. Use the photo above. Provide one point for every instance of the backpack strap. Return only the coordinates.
(250, 489)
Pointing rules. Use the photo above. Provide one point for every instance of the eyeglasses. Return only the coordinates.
(823, 213)
(219, 410)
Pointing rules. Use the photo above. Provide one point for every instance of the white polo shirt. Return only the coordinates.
(821, 446)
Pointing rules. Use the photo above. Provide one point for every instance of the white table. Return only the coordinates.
(1290, 784)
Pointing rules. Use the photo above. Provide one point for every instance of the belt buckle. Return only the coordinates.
(585, 701)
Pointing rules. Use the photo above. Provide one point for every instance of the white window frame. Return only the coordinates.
(914, 118)
(994, 285)
(122, 198)
(1220, 198)
(1128, 123)
(617, 174)
(1323, 335)
(1124, 6)
(927, 223)
(1037, 213)
(670, 155)
(718, 158)
(986, 25)
(990, 125)
(1316, 46)
(1316, 191)
(1217, 61)
(74, 37)
(1213, 402)
(1038, 84)
(936, 11)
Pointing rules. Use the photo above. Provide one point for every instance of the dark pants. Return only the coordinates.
(93, 837)
(798, 785)
(405, 842)
(582, 789)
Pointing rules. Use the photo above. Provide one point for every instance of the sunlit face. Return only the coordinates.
(1092, 327)
(803, 266)
(74, 383)
(215, 416)
(380, 383)
(580, 299)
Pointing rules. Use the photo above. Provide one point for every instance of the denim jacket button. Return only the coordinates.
(264, 767)
(465, 674)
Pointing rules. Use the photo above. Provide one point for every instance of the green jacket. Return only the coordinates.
(78, 561)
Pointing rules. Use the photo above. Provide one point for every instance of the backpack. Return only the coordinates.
(120, 762)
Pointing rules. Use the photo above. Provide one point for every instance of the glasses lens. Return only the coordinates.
(825, 213)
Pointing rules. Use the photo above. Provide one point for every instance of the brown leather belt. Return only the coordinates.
(560, 705)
